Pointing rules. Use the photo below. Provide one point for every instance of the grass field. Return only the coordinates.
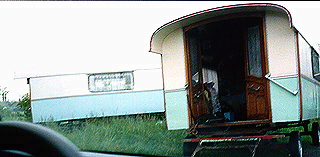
(143, 134)
(147, 134)
(140, 134)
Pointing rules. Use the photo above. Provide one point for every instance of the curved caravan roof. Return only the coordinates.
(160, 34)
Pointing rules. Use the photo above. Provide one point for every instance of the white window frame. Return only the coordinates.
(115, 81)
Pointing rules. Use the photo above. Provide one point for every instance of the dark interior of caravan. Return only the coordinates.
(222, 53)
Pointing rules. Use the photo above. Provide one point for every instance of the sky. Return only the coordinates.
(42, 38)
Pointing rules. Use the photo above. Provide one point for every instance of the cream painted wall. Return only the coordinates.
(281, 51)
(173, 57)
(281, 45)
(174, 73)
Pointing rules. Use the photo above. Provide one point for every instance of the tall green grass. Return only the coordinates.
(148, 135)
(141, 134)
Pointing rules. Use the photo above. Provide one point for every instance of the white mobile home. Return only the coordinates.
(86, 95)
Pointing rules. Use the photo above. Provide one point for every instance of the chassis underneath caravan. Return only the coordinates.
(247, 134)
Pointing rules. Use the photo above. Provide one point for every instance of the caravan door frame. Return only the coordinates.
(264, 56)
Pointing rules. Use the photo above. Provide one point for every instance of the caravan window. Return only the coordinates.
(111, 82)
(315, 64)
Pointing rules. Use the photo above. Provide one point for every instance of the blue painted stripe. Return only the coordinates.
(97, 106)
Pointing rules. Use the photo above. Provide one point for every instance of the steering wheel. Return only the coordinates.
(27, 139)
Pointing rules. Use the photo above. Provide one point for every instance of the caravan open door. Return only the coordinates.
(234, 50)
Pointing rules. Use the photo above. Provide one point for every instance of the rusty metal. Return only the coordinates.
(251, 147)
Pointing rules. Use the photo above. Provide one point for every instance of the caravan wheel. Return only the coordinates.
(315, 134)
(295, 146)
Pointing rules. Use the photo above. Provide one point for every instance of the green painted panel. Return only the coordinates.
(177, 110)
(310, 99)
(284, 105)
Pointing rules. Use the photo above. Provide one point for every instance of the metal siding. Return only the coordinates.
(305, 57)
(285, 106)
(97, 106)
(77, 84)
(58, 86)
(318, 101)
(310, 86)
(310, 99)
(150, 79)
(177, 110)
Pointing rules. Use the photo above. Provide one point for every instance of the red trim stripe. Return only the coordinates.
(237, 137)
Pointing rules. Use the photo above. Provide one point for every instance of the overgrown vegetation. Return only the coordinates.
(24, 104)
(142, 134)
(148, 135)
(20, 110)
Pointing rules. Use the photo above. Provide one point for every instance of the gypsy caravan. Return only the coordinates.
(236, 72)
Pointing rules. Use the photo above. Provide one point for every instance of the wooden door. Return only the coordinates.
(256, 84)
(196, 89)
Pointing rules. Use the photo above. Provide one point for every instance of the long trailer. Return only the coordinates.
(101, 94)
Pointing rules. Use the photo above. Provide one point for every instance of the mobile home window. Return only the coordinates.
(315, 65)
(111, 82)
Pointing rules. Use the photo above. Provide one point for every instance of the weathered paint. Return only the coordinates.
(177, 110)
(97, 106)
(285, 106)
